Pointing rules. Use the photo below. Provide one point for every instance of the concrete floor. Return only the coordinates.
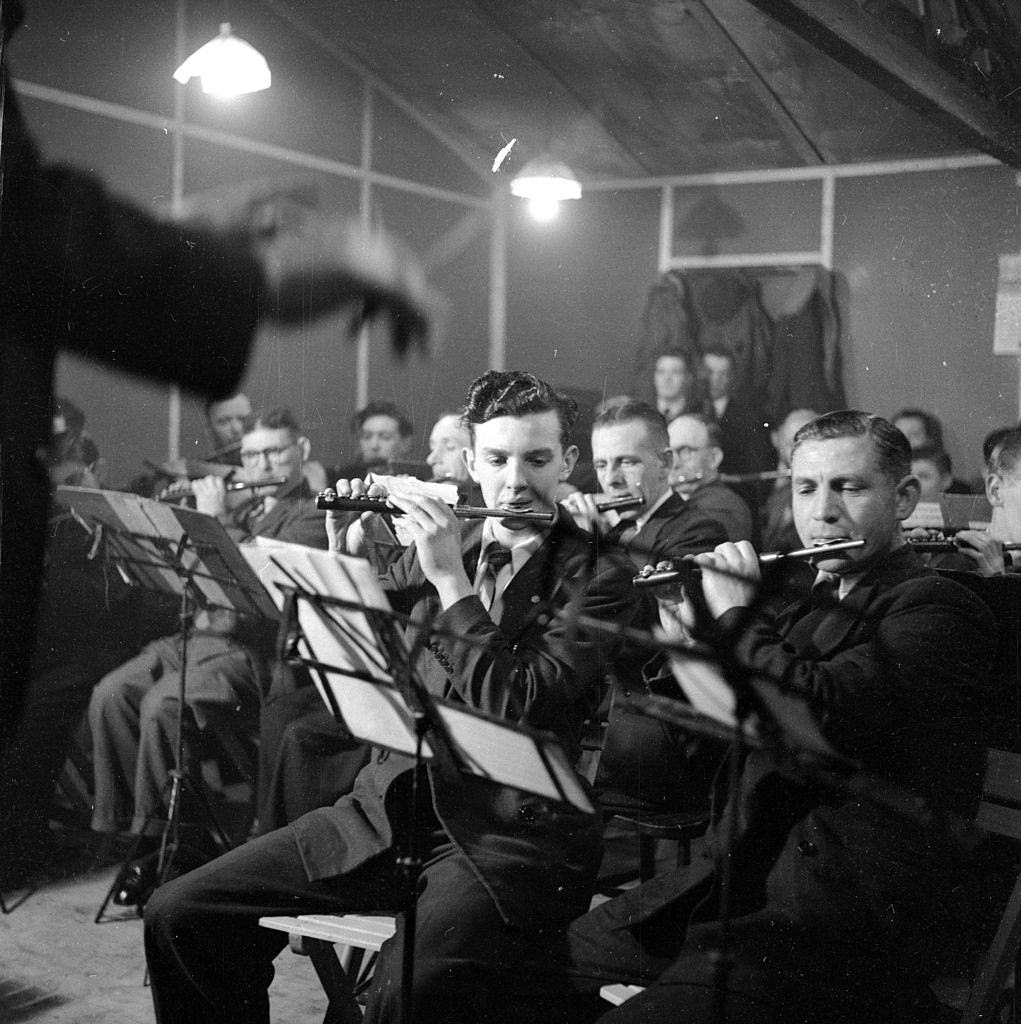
(58, 967)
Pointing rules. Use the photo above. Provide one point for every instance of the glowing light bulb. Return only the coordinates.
(543, 208)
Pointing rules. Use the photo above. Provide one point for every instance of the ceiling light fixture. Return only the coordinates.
(545, 183)
(227, 66)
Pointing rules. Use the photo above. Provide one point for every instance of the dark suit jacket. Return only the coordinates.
(725, 507)
(647, 764)
(534, 858)
(674, 530)
(844, 886)
(86, 273)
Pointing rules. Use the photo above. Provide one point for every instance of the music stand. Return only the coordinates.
(190, 555)
(343, 629)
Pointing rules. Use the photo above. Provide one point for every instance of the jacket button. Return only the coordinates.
(807, 848)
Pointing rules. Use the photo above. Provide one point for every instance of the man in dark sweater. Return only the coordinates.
(838, 888)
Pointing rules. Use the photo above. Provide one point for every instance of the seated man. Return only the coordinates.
(383, 434)
(133, 711)
(631, 457)
(744, 436)
(924, 429)
(984, 548)
(308, 759)
(644, 764)
(677, 386)
(696, 443)
(500, 867)
(933, 468)
(225, 424)
(839, 884)
(777, 519)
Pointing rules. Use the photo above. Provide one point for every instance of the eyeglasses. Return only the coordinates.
(685, 451)
(253, 456)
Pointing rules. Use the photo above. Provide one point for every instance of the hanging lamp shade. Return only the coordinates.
(546, 178)
(226, 65)
(545, 183)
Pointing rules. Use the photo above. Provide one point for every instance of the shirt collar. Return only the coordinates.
(521, 551)
(647, 514)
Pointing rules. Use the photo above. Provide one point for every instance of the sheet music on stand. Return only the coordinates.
(703, 683)
(345, 643)
(163, 545)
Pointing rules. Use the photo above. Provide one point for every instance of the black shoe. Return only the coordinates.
(137, 882)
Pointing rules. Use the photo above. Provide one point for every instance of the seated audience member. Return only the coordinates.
(500, 867)
(676, 384)
(838, 892)
(932, 467)
(744, 434)
(383, 434)
(921, 428)
(924, 430)
(133, 712)
(644, 763)
(696, 444)
(225, 424)
(778, 531)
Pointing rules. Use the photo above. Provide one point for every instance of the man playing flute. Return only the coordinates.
(838, 889)
(500, 868)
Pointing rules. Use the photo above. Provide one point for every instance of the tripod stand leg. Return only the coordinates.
(119, 878)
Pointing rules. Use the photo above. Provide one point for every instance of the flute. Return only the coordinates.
(235, 485)
(765, 474)
(927, 546)
(624, 504)
(688, 570)
(333, 502)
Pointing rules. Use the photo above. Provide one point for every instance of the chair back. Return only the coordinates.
(999, 813)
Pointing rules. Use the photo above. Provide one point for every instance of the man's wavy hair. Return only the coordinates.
(893, 452)
(1005, 455)
(516, 393)
(634, 411)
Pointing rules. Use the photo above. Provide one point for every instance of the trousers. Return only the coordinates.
(133, 716)
(209, 960)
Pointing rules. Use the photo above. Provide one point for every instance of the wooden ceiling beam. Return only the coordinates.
(860, 42)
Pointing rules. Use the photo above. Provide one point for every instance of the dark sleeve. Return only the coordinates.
(923, 655)
(95, 275)
(308, 527)
(546, 673)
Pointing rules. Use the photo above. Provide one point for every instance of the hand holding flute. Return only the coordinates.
(427, 521)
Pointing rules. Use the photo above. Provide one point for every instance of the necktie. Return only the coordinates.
(826, 591)
(621, 533)
(496, 558)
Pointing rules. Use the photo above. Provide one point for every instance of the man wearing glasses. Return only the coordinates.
(133, 710)
(697, 450)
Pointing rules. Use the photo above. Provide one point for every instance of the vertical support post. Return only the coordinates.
(666, 228)
(365, 213)
(176, 197)
(829, 188)
(498, 281)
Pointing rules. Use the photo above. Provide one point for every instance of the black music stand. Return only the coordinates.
(190, 555)
(341, 627)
